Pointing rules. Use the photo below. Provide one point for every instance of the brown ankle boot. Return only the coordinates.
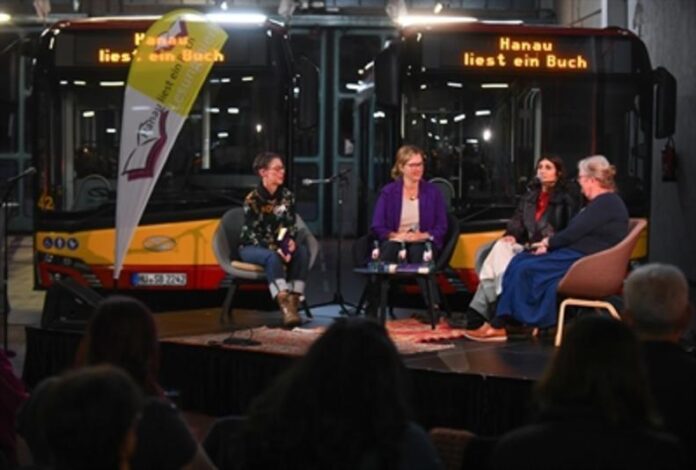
(288, 307)
(295, 306)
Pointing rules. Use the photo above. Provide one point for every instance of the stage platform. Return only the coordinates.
(482, 387)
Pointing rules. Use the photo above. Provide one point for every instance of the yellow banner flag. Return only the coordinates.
(171, 63)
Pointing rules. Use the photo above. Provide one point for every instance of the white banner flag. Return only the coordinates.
(166, 74)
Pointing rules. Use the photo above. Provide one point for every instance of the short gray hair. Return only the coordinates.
(599, 168)
(657, 296)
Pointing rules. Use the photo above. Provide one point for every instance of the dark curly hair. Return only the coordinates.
(123, 333)
(347, 398)
(561, 173)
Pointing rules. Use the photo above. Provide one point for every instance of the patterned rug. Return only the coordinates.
(409, 335)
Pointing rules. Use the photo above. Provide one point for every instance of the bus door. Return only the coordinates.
(341, 56)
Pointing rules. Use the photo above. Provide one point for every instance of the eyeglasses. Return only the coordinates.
(415, 165)
(276, 168)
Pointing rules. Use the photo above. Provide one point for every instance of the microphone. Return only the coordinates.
(330, 179)
(535, 181)
(310, 182)
(29, 171)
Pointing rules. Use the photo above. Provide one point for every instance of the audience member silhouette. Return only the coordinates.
(12, 395)
(656, 300)
(90, 419)
(595, 408)
(342, 406)
(123, 333)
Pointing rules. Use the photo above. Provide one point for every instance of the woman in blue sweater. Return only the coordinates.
(531, 279)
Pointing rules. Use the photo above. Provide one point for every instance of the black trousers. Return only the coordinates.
(389, 253)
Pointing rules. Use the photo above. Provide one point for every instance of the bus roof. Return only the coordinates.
(143, 22)
(531, 30)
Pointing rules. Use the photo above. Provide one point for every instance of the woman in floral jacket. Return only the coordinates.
(268, 236)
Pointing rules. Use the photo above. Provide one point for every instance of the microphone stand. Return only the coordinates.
(4, 221)
(5, 304)
(342, 178)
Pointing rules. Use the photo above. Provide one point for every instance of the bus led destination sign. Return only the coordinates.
(515, 53)
(163, 45)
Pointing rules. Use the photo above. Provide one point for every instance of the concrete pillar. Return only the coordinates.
(615, 13)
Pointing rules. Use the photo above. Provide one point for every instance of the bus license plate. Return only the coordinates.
(159, 279)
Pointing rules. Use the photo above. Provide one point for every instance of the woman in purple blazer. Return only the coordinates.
(410, 213)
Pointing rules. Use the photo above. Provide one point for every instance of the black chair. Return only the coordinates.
(226, 249)
(363, 247)
(446, 188)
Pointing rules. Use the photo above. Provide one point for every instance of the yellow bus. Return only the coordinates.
(246, 105)
(485, 101)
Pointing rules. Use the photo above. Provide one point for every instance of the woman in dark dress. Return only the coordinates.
(545, 209)
(531, 279)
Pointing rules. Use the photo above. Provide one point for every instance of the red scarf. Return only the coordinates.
(541, 205)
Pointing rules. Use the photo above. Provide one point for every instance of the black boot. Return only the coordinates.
(469, 320)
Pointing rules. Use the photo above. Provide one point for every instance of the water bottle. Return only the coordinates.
(402, 253)
(374, 263)
(428, 253)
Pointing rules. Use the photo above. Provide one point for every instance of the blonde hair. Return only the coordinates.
(403, 155)
(599, 168)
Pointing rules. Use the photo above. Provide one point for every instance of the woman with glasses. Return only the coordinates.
(410, 215)
(546, 208)
(530, 281)
(268, 236)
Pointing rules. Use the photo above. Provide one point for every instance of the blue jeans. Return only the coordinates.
(278, 279)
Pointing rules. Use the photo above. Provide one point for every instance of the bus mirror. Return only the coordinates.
(665, 102)
(387, 77)
(28, 47)
(309, 93)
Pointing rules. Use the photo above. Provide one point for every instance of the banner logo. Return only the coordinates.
(143, 158)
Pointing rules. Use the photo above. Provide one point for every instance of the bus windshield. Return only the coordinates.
(241, 110)
(485, 134)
